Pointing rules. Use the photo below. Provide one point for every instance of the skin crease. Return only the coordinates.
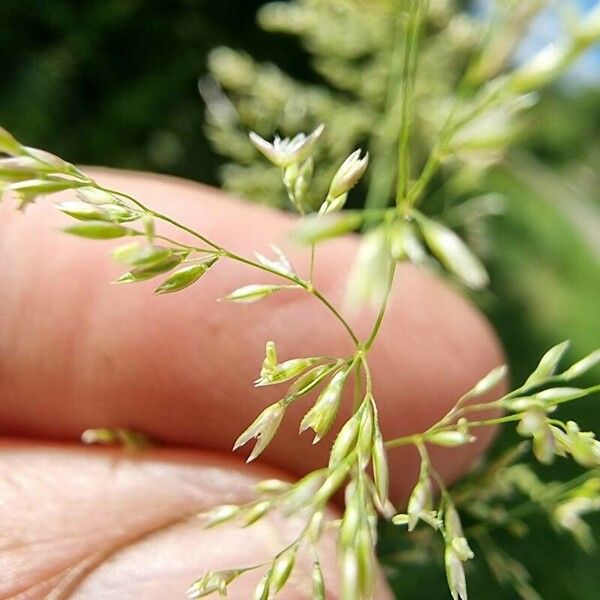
(123, 526)
(76, 353)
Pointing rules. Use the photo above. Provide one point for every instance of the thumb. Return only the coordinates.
(101, 524)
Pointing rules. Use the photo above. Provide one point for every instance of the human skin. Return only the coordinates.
(76, 352)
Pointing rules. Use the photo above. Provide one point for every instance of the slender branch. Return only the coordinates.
(311, 270)
(164, 238)
(491, 96)
(382, 176)
(431, 166)
(459, 409)
(383, 309)
(334, 311)
(357, 390)
(233, 256)
(303, 284)
(408, 84)
(419, 438)
(496, 421)
(424, 454)
(368, 377)
(160, 216)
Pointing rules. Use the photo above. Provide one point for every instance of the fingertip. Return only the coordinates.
(78, 353)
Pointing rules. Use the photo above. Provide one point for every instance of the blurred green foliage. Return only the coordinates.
(114, 82)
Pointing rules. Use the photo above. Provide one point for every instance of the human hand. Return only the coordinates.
(77, 353)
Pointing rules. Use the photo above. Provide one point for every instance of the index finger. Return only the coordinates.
(76, 352)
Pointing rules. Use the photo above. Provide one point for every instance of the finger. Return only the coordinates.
(76, 352)
(100, 524)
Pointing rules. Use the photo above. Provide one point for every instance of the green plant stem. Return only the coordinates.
(496, 421)
(430, 169)
(236, 257)
(164, 238)
(460, 410)
(413, 31)
(160, 216)
(357, 389)
(368, 376)
(424, 454)
(303, 284)
(383, 309)
(457, 411)
(419, 438)
(311, 270)
(334, 311)
(382, 177)
(440, 149)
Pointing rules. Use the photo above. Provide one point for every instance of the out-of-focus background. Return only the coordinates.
(115, 82)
